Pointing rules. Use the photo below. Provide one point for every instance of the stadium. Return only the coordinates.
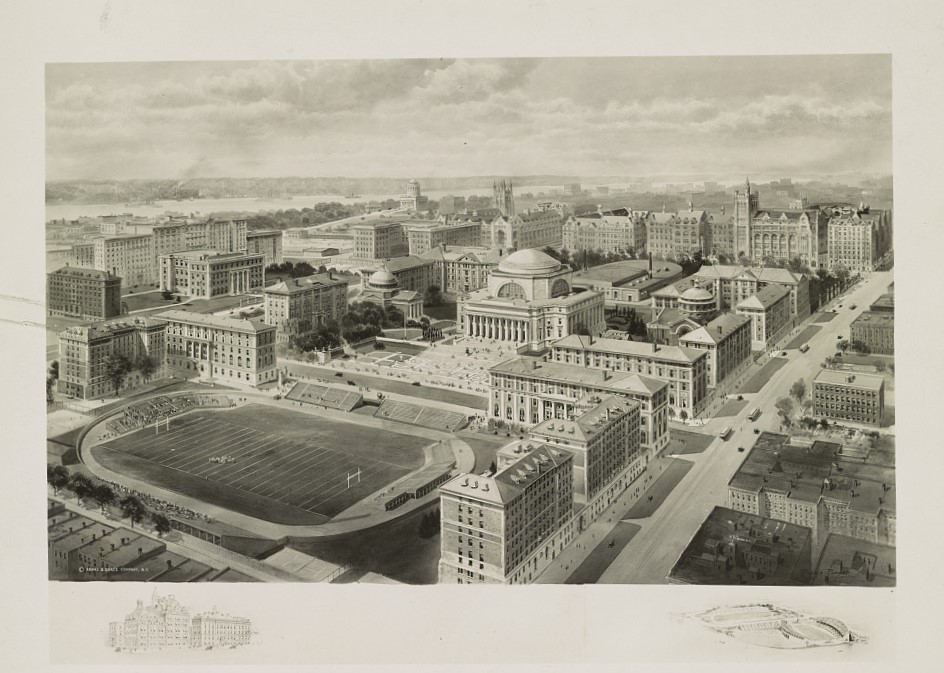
(298, 460)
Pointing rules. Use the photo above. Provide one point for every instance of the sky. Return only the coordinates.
(799, 116)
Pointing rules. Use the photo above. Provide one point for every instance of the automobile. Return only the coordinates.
(840, 306)
(784, 354)
(852, 308)
(741, 449)
(756, 431)
(838, 336)
(838, 354)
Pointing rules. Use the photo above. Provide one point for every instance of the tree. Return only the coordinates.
(824, 423)
(683, 415)
(843, 345)
(81, 486)
(146, 365)
(103, 495)
(50, 385)
(785, 408)
(167, 295)
(859, 346)
(161, 523)
(57, 476)
(433, 296)
(117, 368)
(132, 509)
(54, 369)
(798, 390)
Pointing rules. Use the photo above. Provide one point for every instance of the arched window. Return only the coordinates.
(560, 288)
(511, 291)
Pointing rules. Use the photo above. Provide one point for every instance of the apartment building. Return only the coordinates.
(819, 486)
(844, 396)
(265, 243)
(85, 350)
(300, 305)
(89, 294)
(684, 370)
(220, 348)
(205, 274)
(876, 330)
(491, 526)
(380, 240)
(769, 311)
(727, 340)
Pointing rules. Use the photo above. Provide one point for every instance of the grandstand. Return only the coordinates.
(323, 396)
(307, 568)
(418, 485)
(423, 416)
(159, 408)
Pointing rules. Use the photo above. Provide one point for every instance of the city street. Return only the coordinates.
(650, 554)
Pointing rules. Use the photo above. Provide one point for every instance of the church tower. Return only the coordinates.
(504, 197)
(746, 205)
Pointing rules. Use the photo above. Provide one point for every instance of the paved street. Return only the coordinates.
(650, 554)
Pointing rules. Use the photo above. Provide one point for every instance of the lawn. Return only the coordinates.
(760, 379)
(395, 550)
(804, 336)
(682, 442)
(287, 467)
(730, 408)
(826, 316)
(146, 300)
(603, 555)
(667, 480)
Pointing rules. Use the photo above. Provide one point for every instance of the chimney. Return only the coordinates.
(534, 365)
(591, 339)
(606, 374)
(655, 347)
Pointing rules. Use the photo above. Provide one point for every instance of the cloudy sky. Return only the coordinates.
(799, 116)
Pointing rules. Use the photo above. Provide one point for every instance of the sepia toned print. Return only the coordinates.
(564, 321)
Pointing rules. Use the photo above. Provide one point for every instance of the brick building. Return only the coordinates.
(843, 396)
(89, 294)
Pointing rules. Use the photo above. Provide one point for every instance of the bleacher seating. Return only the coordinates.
(423, 416)
(147, 411)
(323, 396)
(308, 568)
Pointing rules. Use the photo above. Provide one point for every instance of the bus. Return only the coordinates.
(724, 434)
(804, 348)
(755, 412)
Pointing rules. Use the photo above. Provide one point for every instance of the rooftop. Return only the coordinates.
(717, 330)
(815, 471)
(765, 274)
(849, 561)
(511, 481)
(728, 543)
(108, 327)
(857, 381)
(635, 348)
(529, 262)
(78, 272)
(601, 379)
(586, 425)
(296, 285)
(620, 273)
(874, 318)
(222, 322)
(766, 297)
(398, 264)
(210, 255)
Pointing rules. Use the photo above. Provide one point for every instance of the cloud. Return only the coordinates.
(456, 117)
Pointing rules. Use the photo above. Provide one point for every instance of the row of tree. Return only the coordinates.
(84, 489)
(429, 524)
(366, 319)
(118, 367)
(296, 269)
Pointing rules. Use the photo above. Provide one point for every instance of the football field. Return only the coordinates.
(275, 464)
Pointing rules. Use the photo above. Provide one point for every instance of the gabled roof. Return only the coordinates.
(765, 297)
(634, 348)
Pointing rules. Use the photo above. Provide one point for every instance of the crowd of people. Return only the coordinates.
(157, 504)
(154, 409)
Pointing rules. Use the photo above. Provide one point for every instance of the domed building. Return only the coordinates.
(679, 309)
(529, 300)
(383, 288)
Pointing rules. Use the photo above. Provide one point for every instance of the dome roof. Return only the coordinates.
(382, 278)
(529, 262)
(697, 294)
